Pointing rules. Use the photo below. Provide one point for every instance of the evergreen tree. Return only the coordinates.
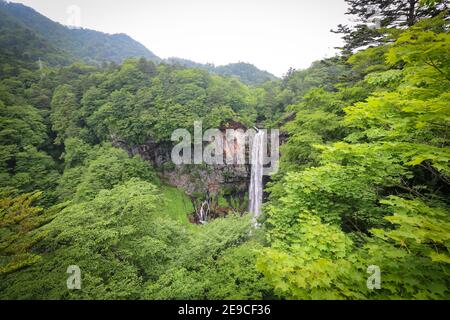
(374, 16)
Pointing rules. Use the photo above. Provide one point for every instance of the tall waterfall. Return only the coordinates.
(255, 191)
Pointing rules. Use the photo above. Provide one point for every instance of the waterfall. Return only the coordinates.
(203, 212)
(255, 191)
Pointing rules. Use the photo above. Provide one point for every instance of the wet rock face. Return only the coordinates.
(156, 153)
(200, 179)
(209, 179)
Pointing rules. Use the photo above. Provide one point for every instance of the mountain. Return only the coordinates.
(246, 72)
(28, 37)
(82, 44)
(21, 48)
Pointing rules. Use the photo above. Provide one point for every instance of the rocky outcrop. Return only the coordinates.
(199, 181)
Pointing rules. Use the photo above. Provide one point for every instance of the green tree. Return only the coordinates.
(19, 221)
(65, 113)
(377, 15)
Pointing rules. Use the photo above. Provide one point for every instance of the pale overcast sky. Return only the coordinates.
(272, 34)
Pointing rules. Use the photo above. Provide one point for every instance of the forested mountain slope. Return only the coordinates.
(246, 72)
(21, 48)
(93, 47)
(82, 44)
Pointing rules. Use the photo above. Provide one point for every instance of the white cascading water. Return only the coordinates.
(256, 189)
(203, 212)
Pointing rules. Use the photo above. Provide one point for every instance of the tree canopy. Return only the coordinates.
(363, 181)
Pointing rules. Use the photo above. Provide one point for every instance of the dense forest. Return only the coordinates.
(245, 72)
(364, 176)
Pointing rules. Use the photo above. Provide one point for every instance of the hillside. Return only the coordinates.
(20, 48)
(83, 44)
(246, 72)
(19, 22)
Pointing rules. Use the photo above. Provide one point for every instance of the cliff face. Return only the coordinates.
(199, 181)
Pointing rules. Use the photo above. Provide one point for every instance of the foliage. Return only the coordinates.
(381, 194)
(377, 16)
(363, 180)
(100, 168)
(245, 72)
(18, 224)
